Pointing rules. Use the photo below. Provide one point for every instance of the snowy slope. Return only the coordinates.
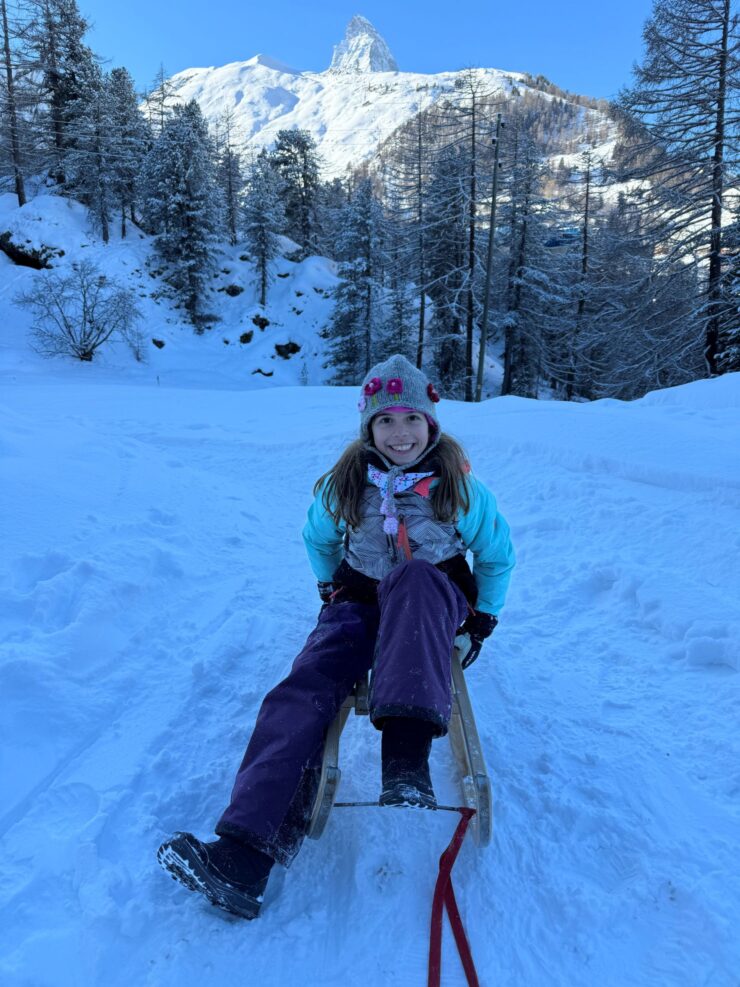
(154, 586)
(298, 306)
(237, 351)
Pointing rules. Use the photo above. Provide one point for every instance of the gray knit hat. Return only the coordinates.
(396, 383)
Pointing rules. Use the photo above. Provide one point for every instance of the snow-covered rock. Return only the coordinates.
(362, 50)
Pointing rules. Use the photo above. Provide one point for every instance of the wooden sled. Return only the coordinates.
(463, 733)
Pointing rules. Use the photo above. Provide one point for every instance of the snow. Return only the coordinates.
(362, 50)
(348, 109)
(154, 587)
(298, 306)
(356, 103)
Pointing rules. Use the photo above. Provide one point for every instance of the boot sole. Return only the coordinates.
(182, 863)
(407, 796)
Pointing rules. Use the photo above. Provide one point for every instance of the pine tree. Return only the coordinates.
(181, 204)
(534, 277)
(355, 329)
(400, 333)
(447, 266)
(331, 200)
(685, 95)
(407, 163)
(55, 34)
(131, 140)
(160, 101)
(9, 107)
(24, 116)
(642, 330)
(88, 160)
(471, 116)
(262, 218)
(295, 158)
(585, 203)
(229, 176)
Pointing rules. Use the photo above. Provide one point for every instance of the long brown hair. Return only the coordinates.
(347, 479)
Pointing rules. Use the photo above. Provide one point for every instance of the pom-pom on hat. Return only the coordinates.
(396, 383)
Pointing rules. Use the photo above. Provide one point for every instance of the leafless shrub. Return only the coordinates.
(76, 313)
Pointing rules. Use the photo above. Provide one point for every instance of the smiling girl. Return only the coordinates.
(386, 536)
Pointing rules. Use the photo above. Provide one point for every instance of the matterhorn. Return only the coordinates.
(350, 108)
(362, 50)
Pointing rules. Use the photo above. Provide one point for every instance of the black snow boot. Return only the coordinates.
(405, 751)
(231, 874)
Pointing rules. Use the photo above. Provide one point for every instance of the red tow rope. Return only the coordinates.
(444, 897)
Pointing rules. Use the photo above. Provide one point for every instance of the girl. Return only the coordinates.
(386, 536)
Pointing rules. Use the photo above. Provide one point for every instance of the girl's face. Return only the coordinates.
(400, 436)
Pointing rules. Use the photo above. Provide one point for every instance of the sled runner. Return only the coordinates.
(464, 739)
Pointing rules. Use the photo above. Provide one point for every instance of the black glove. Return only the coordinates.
(325, 591)
(478, 627)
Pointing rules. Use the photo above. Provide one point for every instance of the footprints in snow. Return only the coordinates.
(30, 570)
(68, 808)
(46, 592)
(712, 645)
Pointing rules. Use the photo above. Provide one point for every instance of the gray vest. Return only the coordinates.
(369, 550)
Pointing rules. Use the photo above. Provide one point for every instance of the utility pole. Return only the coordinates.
(489, 261)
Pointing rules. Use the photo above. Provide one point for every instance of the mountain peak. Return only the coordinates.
(362, 50)
(272, 63)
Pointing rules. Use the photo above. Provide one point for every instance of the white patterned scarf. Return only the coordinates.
(391, 483)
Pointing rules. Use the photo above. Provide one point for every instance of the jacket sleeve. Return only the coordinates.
(486, 534)
(323, 539)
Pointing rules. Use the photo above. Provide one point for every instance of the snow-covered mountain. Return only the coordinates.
(362, 50)
(350, 108)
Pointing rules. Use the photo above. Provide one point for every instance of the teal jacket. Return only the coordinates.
(482, 528)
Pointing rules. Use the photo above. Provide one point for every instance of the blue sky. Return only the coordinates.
(581, 45)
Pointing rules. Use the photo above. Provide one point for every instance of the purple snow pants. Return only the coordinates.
(407, 640)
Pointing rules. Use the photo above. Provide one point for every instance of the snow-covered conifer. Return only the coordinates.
(90, 147)
(55, 36)
(470, 116)
(229, 176)
(262, 217)
(407, 163)
(160, 101)
(331, 200)
(447, 268)
(536, 297)
(355, 329)
(399, 330)
(181, 204)
(131, 139)
(296, 160)
(685, 94)
(9, 107)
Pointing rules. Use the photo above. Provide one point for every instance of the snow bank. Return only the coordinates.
(154, 586)
(236, 352)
